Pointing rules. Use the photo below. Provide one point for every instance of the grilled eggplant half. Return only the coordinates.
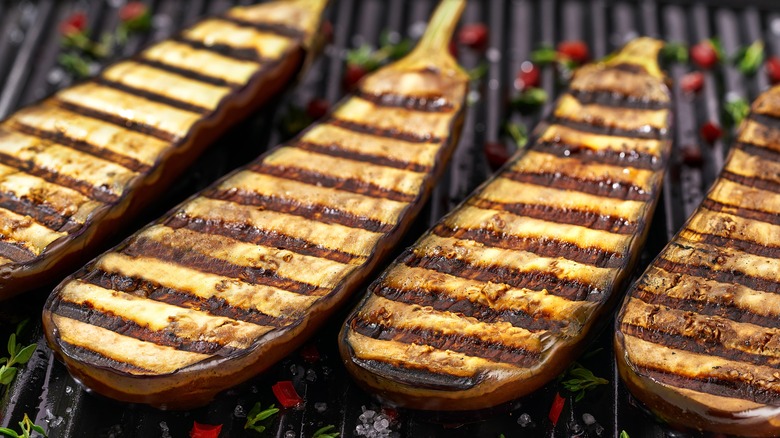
(698, 336)
(239, 275)
(76, 167)
(499, 297)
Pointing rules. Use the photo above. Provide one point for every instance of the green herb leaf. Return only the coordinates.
(325, 432)
(580, 379)
(518, 132)
(736, 110)
(7, 374)
(479, 71)
(749, 59)
(544, 55)
(364, 56)
(12, 346)
(8, 432)
(257, 414)
(623, 434)
(718, 46)
(529, 100)
(674, 52)
(27, 426)
(74, 64)
(25, 353)
(21, 326)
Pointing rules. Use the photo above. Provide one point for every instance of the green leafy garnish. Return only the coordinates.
(479, 71)
(17, 355)
(675, 52)
(749, 59)
(529, 100)
(736, 110)
(27, 426)
(75, 64)
(580, 379)
(257, 415)
(544, 55)
(518, 132)
(325, 432)
(623, 434)
(718, 47)
(369, 59)
(294, 120)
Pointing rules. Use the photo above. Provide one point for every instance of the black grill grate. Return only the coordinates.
(28, 49)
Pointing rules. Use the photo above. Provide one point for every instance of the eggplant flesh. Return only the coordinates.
(78, 166)
(238, 276)
(697, 339)
(500, 296)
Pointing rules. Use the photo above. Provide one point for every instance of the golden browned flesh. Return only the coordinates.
(75, 167)
(698, 337)
(238, 276)
(499, 297)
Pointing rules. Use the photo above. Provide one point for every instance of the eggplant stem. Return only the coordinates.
(643, 52)
(433, 47)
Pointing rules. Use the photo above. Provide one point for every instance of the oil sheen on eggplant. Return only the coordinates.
(76, 167)
(499, 297)
(698, 336)
(239, 275)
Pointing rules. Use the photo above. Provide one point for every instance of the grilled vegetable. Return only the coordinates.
(238, 276)
(698, 337)
(77, 166)
(499, 297)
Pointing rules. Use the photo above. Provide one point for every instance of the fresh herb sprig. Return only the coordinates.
(579, 380)
(736, 110)
(17, 355)
(259, 415)
(749, 59)
(27, 427)
(369, 59)
(326, 432)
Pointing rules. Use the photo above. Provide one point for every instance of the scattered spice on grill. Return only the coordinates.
(375, 424)
(692, 82)
(17, 355)
(326, 432)
(473, 35)
(27, 428)
(711, 132)
(200, 430)
(259, 415)
(579, 380)
(286, 394)
(749, 59)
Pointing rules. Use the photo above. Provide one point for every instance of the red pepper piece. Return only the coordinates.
(286, 394)
(132, 11)
(692, 82)
(473, 35)
(556, 408)
(200, 430)
(352, 75)
(496, 153)
(75, 24)
(773, 69)
(711, 131)
(316, 108)
(527, 77)
(704, 54)
(575, 50)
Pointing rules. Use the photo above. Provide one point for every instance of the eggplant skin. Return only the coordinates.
(239, 275)
(697, 337)
(500, 296)
(77, 166)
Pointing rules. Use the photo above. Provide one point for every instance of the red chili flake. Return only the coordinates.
(286, 394)
(692, 82)
(352, 75)
(474, 35)
(390, 413)
(527, 77)
(556, 408)
(704, 54)
(711, 131)
(309, 353)
(200, 430)
(691, 155)
(576, 50)
(773, 69)
(76, 23)
(316, 108)
(132, 11)
(496, 153)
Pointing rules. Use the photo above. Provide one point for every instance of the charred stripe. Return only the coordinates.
(766, 120)
(416, 103)
(603, 187)
(142, 247)
(417, 377)
(15, 251)
(617, 100)
(85, 355)
(275, 28)
(247, 233)
(752, 181)
(759, 151)
(240, 53)
(154, 97)
(542, 246)
(747, 246)
(703, 271)
(468, 345)
(114, 119)
(383, 132)
(584, 154)
(353, 185)
(190, 74)
(316, 212)
(550, 213)
(747, 213)
(597, 126)
(335, 150)
(40, 212)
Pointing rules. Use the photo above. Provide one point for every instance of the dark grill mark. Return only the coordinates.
(148, 289)
(247, 233)
(559, 180)
(752, 181)
(114, 119)
(278, 29)
(714, 385)
(418, 377)
(239, 53)
(534, 280)
(190, 74)
(154, 97)
(747, 213)
(590, 219)
(759, 151)
(416, 103)
(99, 193)
(316, 212)
(15, 251)
(38, 210)
(468, 345)
(598, 126)
(747, 246)
(769, 122)
(727, 277)
(192, 259)
(82, 146)
(98, 360)
(631, 158)
(384, 132)
(617, 100)
(543, 246)
(335, 150)
(353, 185)
(109, 321)
(439, 299)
